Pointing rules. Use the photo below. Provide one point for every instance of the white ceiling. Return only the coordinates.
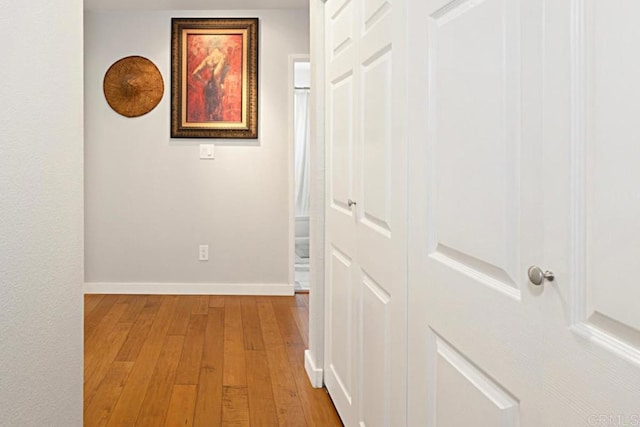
(193, 4)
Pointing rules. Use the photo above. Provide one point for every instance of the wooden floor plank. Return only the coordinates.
(98, 359)
(283, 301)
(234, 362)
(302, 299)
(154, 300)
(190, 361)
(138, 334)
(156, 400)
(99, 409)
(262, 408)
(213, 352)
(136, 304)
(285, 390)
(251, 325)
(316, 404)
(202, 305)
(216, 301)
(180, 320)
(102, 328)
(235, 407)
(208, 411)
(93, 318)
(301, 318)
(181, 407)
(126, 298)
(269, 325)
(91, 301)
(128, 407)
(264, 299)
(287, 325)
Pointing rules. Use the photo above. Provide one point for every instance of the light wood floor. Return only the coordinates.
(199, 361)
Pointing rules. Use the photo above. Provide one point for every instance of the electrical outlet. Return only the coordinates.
(203, 254)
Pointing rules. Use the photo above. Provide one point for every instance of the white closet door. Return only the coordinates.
(523, 152)
(475, 211)
(365, 360)
(591, 152)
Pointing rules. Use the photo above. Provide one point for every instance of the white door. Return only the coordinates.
(523, 152)
(591, 182)
(365, 292)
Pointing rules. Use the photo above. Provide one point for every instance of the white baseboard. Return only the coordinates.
(315, 375)
(188, 288)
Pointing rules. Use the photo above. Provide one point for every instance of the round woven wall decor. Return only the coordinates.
(133, 86)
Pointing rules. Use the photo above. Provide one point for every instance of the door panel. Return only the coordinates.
(474, 116)
(612, 152)
(341, 27)
(366, 101)
(375, 409)
(341, 142)
(374, 10)
(592, 323)
(376, 161)
(473, 326)
(341, 328)
(457, 384)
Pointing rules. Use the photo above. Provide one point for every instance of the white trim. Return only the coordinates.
(188, 288)
(317, 202)
(292, 172)
(579, 131)
(314, 373)
(607, 341)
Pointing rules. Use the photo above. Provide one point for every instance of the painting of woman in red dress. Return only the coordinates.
(214, 78)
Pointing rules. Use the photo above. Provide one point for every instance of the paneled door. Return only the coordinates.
(591, 154)
(523, 152)
(365, 292)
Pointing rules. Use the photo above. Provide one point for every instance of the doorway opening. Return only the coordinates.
(301, 168)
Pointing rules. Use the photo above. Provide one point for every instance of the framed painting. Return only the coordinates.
(214, 78)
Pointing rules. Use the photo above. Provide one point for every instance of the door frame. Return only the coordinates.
(314, 355)
(293, 59)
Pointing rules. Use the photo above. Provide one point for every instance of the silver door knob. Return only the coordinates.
(537, 276)
(350, 202)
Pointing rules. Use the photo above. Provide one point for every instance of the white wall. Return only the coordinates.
(150, 201)
(41, 213)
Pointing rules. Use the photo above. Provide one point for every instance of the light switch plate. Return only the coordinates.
(206, 151)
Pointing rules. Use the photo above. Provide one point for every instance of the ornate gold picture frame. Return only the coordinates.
(214, 78)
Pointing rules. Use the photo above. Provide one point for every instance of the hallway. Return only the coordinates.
(199, 361)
